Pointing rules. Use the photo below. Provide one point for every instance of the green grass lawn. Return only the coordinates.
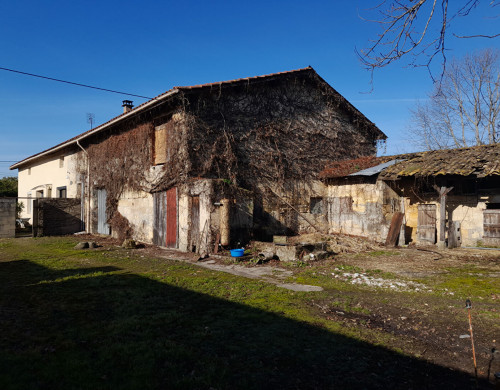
(117, 319)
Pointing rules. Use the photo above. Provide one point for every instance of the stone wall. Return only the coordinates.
(289, 128)
(56, 216)
(362, 207)
(7, 218)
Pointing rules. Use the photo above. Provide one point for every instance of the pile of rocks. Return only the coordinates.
(362, 278)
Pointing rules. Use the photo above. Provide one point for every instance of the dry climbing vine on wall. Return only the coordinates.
(117, 163)
(281, 131)
(277, 131)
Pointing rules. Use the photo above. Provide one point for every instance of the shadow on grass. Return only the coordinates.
(124, 331)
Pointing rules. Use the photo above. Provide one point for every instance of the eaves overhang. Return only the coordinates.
(98, 129)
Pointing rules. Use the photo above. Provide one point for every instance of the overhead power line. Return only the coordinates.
(72, 83)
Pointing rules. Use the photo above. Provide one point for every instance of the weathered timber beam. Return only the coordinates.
(443, 191)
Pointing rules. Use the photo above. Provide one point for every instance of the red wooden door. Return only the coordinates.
(171, 218)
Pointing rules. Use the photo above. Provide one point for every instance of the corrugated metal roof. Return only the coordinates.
(375, 170)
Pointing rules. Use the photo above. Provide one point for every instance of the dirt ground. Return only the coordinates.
(426, 324)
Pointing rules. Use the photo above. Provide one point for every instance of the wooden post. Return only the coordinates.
(443, 191)
(402, 232)
(442, 215)
(224, 222)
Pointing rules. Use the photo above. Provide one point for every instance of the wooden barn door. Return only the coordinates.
(159, 224)
(165, 218)
(491, 224)
(171, 241)
(102, 219)
(426, 229)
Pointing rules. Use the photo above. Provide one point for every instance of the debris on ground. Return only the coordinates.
(338, 243)
(82, 245)
(363, 278)
(86, 245)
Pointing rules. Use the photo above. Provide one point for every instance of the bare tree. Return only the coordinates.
(464, 109)
(416, 29)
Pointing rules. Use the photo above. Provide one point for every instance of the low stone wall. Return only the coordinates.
(55, 217)
(7, 218)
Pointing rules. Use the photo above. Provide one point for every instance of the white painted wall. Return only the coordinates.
(47, 174)
(138, 208)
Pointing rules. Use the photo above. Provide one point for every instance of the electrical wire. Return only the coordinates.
(73, 83)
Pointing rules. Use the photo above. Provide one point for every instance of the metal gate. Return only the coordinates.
(102, 219)
(426, 224)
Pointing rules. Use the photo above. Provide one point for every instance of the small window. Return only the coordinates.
(29, 171)
(61, 162)
(160, 145)
(316, 206)
(61, 192)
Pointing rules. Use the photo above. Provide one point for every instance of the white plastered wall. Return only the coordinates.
(47, 174)
(137, 208)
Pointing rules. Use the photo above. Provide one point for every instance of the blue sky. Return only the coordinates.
(148, 47)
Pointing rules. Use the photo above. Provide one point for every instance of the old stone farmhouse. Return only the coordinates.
(207, 164)
(442, 194)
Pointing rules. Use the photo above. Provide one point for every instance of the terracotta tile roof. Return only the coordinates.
(245, 79)
(480, 161)
(163, 96)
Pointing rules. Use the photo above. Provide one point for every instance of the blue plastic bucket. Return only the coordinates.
(237, 252)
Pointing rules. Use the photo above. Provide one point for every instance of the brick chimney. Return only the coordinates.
(127, 105)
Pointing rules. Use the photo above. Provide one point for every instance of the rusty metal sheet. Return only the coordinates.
(394, 229)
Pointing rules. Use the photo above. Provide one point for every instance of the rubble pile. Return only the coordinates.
(362, 278)
(339, 243)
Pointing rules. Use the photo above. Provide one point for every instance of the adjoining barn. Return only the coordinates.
(208, 164)
(447, 196)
